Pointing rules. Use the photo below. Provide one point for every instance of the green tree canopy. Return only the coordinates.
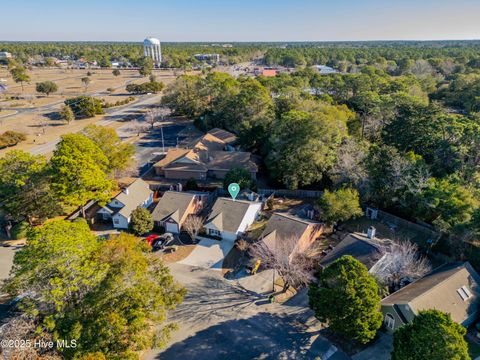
(118, 153)
(79, 171)
(85, 106)
(431, 335)
(46, 87)
(56, 268)
(304, 144)
(339, 205)
(241, 176)
(67, 114)
(447, 204)
(111, 296)
(347, 297)
(146, 66)
(25, 191)
(141, 221)
(19, 75)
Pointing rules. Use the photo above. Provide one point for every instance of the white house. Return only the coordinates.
(230, 218)
(120, 208)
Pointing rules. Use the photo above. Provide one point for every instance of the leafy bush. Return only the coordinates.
(141, 221)
(148, 87)
(46, 87)
(11, 138)
(119, 102)
(339, 205)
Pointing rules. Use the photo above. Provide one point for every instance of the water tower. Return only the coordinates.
(152, 49)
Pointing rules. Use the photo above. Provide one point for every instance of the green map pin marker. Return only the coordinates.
(233, 189)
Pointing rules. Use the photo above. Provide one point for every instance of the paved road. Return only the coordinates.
(56, 104)
(112, 116)
(218, 320)
(6, 262)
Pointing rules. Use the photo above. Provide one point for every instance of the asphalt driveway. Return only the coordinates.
(220, 320)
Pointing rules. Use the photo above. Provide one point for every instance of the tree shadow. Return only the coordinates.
(262, 336)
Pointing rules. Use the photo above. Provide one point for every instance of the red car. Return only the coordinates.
(150, 239)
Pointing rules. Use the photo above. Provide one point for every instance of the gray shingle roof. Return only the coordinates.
(138, 192)
(284, 226)
(439, 290)
(172, 204)
(364, 250)
(227, 215)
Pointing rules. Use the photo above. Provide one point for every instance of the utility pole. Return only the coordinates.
(163, 142)
(162, 117)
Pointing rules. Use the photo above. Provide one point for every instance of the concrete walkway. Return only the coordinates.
(380, 350)
(209, 254)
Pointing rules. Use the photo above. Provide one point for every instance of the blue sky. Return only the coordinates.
(247, 20)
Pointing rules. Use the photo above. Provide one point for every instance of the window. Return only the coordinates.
(116, 221)
(464, 293)
(390, 321)
(215, 232)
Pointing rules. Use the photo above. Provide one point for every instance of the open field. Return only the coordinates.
(36, 115)
(69, 84)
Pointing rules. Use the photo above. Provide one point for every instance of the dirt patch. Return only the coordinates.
(181, 253)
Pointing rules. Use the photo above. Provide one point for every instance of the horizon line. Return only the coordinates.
(245, 41)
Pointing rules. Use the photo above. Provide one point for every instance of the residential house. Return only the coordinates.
(212, 156)
(231, 218)
(283, 226)
(451, 288)
(269, 72)
(361, 247)
(174, 208)
(120, 208)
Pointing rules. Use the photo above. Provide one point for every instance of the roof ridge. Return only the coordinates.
(439, 283)
(368, 241)
(246, 202)
(434, 286)
(296, 218)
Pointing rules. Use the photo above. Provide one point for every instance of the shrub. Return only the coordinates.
(141, 221)
(46, 87)
(11, 138)
(149, 87)
(339, 205)
(119, 102)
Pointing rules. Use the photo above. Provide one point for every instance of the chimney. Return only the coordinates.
(371, 232)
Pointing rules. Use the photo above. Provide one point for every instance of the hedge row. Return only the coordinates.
(118, 103)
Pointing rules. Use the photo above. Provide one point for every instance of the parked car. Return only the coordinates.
(160, 242)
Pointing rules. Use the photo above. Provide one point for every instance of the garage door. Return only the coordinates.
(172, 228)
